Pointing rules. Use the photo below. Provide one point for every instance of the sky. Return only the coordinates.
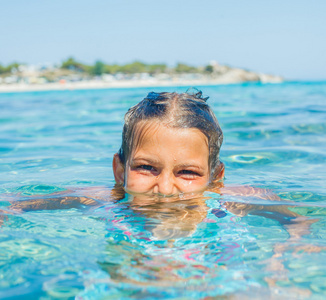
(280, 37)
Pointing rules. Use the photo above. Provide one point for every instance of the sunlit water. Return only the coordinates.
(50, 142)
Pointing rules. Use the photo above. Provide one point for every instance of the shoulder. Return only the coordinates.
(102, 193)
(247, 191)
(96, 192)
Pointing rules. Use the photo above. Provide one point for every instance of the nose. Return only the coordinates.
(165, 184)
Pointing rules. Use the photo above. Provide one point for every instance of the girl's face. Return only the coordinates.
(167, 161)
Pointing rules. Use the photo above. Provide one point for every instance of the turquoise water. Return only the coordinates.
(62, 142)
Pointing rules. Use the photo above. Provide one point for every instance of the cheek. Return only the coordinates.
(137, 182)
(193, 185)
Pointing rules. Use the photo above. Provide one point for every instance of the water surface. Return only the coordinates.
(63, 142)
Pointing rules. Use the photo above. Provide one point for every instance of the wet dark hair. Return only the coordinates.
(183, 110)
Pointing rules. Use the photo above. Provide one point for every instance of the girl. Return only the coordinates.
(170, 145)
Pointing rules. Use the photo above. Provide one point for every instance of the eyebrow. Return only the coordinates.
(190, 166)
(147, 160)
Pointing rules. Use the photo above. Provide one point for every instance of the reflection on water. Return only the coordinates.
(171, 218)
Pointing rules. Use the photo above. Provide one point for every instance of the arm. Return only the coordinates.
(295, 224)
(52, 203)
(44, 204)
(89, 196)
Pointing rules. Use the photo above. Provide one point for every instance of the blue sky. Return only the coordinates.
(279, 37)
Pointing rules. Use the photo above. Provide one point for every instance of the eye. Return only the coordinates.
(189, 173)
(145, 168)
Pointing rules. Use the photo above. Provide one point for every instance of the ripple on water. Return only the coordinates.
(240, 124)
(250, 158)
(274, 158)
(319, 128)
(297, 196)
(254, 135)
(63, 286)
(27, 248)
(39, 189)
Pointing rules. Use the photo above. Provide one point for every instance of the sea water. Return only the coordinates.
(61, 143)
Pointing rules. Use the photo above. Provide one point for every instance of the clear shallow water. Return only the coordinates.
(274, 137)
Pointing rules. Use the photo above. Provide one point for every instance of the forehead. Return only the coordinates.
(155, 137)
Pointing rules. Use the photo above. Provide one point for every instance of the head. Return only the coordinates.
(185, 117)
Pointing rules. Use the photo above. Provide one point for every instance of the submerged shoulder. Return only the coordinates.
(69, 198)
(248, 191)
(102, 193)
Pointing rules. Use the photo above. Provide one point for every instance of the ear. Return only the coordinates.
(219, 172)
(118, 169)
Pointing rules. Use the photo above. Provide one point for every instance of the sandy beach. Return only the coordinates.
(100, 84)
(85, 85)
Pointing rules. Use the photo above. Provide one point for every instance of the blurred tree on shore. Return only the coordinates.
(73, 65)
(98, 69)
(135, 67)
(9, 69)
(183, 68)
(209, 69)
(157, 68)
(112, 69)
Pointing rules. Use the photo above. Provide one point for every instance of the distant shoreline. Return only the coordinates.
(94, 84)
